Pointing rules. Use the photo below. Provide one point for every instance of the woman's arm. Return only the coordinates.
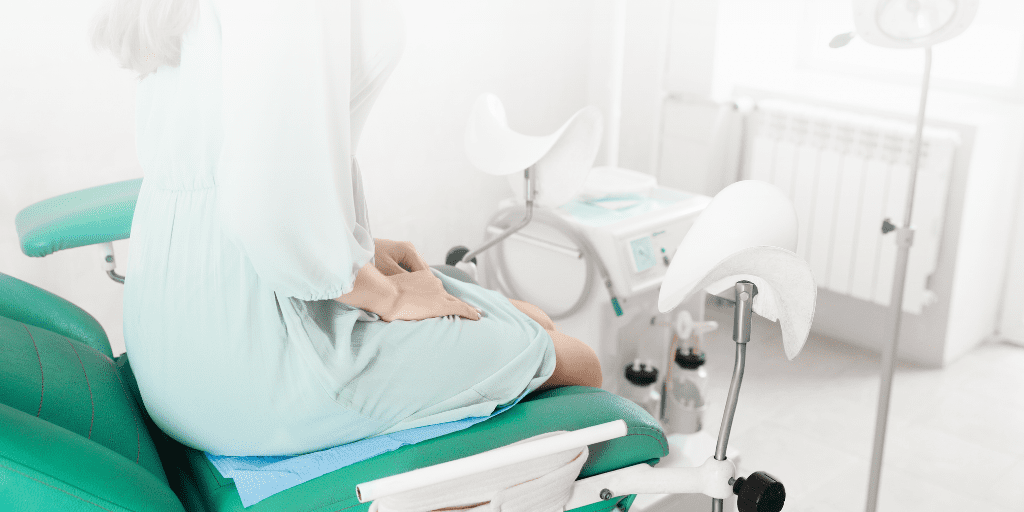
(393, 257)
(404, 296)
(372, 291)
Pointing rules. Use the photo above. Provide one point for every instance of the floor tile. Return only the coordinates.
(810, 422)
(986, 420)
(899, 491)
(842, 424)
(944, 459)
(793, 458)
(1007, 488)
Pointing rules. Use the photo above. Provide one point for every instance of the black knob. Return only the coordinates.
(455, 255)
(759, 492)
(887, 226)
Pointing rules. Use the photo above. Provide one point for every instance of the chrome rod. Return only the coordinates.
(730, 405)
(745, 292)
(528, 193)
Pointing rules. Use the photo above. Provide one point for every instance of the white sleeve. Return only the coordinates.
(284, 178)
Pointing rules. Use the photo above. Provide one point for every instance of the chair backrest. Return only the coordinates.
(72, 436)
(35, 306)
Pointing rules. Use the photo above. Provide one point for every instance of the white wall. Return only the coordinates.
(1011, 319)
(780, 48)
(535, 55)
(67, 121)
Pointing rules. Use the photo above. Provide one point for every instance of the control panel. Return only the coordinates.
(638, 248)
(648, 251)
(642, 253)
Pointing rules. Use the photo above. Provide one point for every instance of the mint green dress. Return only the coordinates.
(251, 219)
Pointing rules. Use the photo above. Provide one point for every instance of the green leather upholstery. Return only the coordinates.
(46, 468)
(58, 380)
(84, 217)
(71, 435)
(35, 306)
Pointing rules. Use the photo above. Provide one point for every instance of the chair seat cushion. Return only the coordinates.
(200, 485)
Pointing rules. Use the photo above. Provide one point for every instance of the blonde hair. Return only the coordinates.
(143, 34)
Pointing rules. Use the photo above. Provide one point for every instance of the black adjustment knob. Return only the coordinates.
(887, 226)
(759, 492)
(455, 255)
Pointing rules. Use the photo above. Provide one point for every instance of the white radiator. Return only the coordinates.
(846, 173)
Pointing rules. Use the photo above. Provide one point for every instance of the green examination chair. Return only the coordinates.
(74, 435)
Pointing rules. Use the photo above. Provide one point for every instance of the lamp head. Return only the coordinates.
(560, 161)
(747, 232)
(911, 23)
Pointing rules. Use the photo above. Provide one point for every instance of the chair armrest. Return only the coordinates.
(25, 303)
(84, 217)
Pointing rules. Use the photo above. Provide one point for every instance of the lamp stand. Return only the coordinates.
(904, 240)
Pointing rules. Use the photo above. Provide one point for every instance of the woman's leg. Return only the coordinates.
(535, 313)
(576, 363)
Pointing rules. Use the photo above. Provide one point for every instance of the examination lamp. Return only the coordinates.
(554, 167)
(903, 24)
(744, 241)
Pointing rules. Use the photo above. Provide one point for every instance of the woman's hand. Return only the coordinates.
(421, 295)
(391, 257)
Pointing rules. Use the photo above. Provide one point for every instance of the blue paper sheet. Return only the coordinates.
(260, 477)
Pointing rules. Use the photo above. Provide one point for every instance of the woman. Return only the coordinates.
(261, 316)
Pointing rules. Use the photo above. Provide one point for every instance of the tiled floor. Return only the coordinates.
(955, 441)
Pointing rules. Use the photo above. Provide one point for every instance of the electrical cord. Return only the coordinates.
(501, 219)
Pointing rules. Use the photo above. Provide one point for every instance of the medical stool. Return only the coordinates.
(74, 435)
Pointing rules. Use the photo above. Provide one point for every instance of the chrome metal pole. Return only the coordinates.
(745, 292)
(904, 240)
(528, 189)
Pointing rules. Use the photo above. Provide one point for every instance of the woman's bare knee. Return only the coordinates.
(535, 313)
(576, 364)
